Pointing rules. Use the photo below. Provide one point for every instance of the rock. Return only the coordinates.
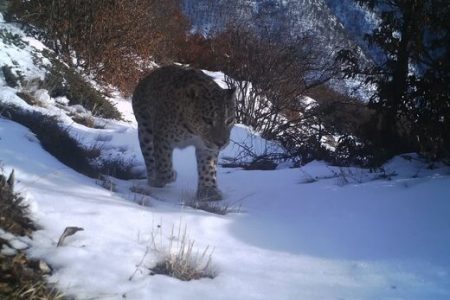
(44, 267)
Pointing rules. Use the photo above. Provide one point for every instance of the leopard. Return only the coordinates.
(178, 106)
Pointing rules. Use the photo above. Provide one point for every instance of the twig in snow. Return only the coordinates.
(71, 230)
(138, 266)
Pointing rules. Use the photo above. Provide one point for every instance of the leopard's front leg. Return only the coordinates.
(207, 170)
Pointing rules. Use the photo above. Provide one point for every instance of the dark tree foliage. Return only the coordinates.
(413, 91)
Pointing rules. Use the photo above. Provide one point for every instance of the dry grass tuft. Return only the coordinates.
(215, 207)
(20, 277)
(180, 259)
(13, 211)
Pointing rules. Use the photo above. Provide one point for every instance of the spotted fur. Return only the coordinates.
(176, 107)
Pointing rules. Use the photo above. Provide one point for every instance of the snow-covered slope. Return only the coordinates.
(321, 240)
(291, 240)
(317, 232)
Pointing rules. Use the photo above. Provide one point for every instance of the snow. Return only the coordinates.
(374, 240)
(318, 232)
(20, 56)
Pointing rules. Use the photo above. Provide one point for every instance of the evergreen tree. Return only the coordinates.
(413, 97)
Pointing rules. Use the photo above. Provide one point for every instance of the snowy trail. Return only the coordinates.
(375, 240)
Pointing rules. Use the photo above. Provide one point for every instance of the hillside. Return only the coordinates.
(332, 22)
(315, 232)
(329, 26)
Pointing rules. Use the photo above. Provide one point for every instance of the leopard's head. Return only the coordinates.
(213, 114)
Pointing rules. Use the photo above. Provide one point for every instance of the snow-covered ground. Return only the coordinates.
(292, 240)
(312, 233)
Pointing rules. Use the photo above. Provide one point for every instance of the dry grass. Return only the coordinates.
(87, 121)
(20, 277)
(180, 259)
(20, 280)
(215, 207)
(28, 98)
(13, 212)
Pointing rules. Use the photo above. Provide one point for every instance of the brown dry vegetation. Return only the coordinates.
(114, 39)
(20, 277)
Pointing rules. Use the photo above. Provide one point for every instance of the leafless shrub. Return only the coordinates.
(349, 175)
(271, 76)
(245, 156)
(275, 78)
(113, 39)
